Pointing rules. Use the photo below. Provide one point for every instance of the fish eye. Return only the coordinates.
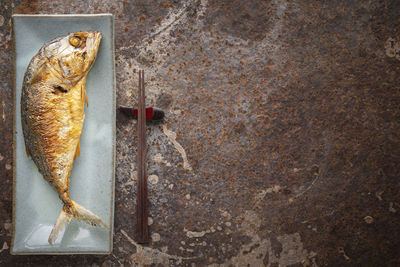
(75, 41)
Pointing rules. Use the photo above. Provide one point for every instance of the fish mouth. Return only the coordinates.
(97, 38)
(93, 40)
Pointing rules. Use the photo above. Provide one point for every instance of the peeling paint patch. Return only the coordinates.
(155, 46)
(260, 196)
(165, 26)
(259, 251)
(368, 219)
(133, 176)
(7, 226)
(292, 251)
(392, 48)
(273, 189)
(147, 255)
(158, 158)
(177, 112)
(379, 194)
(5, 247)
(192, 234)
(155, 237)
(341, 251)
(225, 214)
(251, 223)
(172, 137)
(8, 166)
(252, 254)
(153, 179)
(391, 208)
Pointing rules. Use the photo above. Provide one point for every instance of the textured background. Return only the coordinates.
(281, 142)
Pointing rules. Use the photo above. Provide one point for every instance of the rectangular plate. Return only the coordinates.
(36, 205)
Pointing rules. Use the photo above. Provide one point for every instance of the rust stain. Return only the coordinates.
(29, 7)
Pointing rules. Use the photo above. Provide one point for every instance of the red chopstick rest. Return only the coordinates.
(152, 113)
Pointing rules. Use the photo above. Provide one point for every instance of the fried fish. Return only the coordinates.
(52, 111)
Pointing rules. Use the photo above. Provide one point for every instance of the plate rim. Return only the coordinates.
(63, 15)
(14, 145)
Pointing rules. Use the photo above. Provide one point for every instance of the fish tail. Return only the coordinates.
(82, 214)
(62, 221)
(74, 211)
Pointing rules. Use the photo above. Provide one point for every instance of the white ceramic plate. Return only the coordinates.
(36, 205)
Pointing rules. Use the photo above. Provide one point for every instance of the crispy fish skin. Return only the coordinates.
(52, 113)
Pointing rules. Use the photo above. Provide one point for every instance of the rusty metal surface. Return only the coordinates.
(280, 145)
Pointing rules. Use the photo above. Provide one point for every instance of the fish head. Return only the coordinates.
(73, 55)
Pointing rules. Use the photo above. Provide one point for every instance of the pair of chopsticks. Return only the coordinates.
(142, 229)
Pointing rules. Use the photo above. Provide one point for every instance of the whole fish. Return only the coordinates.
(52, 111)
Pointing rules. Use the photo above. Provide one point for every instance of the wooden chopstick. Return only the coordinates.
(142, 229)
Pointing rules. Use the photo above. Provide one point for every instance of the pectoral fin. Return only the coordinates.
(84, 97)
(78, 150)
